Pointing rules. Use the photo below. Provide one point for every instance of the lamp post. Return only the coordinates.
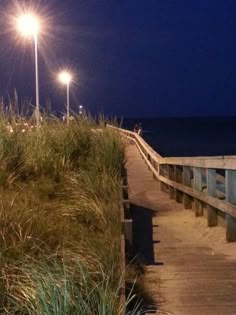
(80, 109)
(28, 26)
(65, 78)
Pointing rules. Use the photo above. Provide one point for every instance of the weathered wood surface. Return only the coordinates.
(174, 173)
(192, 269)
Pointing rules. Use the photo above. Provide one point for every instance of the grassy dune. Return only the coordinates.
(59, 219)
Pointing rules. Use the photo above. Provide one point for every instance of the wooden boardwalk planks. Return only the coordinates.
(191, 269)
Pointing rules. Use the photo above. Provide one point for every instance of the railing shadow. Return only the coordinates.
(143, 244)
(141, 253)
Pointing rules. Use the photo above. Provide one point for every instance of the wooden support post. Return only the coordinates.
(122, 263)
(212, 219)
(148, 160)
(197, 182)
(125, 192)
(171, 176)
(128, 227)
(161, 169)
(178, 179)
(230, 185)
(156, 168)
(187, 182)
(230, 228)
(163, 172)
(122, 256)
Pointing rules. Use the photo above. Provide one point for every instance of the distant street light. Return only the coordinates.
(65, 78)
(28, 25)
(80, 109)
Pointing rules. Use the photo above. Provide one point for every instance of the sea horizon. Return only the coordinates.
(188, 136)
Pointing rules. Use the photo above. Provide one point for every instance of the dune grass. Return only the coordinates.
(59, 218)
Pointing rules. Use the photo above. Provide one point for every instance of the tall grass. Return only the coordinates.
(59, 218)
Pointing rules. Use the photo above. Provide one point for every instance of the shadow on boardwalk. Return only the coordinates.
(143, 234)
(142, 254)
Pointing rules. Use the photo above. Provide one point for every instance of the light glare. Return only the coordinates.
(28, 25)
(65, 77)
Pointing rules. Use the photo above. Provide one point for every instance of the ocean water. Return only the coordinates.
(188, 136)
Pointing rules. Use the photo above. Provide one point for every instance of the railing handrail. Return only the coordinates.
(195, 177)
(219, 162)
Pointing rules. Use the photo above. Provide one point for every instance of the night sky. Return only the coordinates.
(130, 58)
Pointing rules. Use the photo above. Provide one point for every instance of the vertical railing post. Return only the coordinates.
(171, 176)
(178, 179)
(163, 171)
(149, 160)
(197, 184)
(211, 191)
(155, 165)
(187, 182)
(230, 187)
(122, 256)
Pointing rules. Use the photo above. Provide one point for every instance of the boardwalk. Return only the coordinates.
(190, 269)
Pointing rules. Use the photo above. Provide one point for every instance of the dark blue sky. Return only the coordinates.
(131, 57)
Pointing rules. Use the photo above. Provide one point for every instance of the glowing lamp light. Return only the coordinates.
(28, 25)
(65, 77)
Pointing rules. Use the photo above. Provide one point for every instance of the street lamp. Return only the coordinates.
(80, 109)
(65, 78)
(28, 26)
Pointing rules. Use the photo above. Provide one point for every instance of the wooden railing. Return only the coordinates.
(122, 256)
(126, 236)
(206, 184)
